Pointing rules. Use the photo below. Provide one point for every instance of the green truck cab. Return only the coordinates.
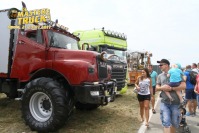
(115, 45)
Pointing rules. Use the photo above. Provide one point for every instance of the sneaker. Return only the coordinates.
(188, 114)
(182, 122)
(153, 111)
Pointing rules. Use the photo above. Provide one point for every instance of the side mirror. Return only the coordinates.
(83, 46)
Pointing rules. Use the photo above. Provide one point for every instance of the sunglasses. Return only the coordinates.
(162, 64)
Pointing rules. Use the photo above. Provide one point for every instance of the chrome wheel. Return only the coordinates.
(40, 106)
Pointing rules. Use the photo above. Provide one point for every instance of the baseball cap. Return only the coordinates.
(179, 66)
(164, 61)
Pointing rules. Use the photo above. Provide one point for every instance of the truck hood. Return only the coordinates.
(63, 54)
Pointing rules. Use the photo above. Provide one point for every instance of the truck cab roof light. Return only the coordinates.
(115, 34)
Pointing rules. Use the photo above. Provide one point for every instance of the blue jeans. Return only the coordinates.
(169, 115)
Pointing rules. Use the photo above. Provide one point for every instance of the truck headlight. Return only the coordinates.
(91, 70)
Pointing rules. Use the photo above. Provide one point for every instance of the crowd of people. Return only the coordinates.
(173, 84)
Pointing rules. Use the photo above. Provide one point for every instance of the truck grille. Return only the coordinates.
(102, 70)
(119, 73)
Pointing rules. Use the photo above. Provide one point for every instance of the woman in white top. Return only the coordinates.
(144, 86)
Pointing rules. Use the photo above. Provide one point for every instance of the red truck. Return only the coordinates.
(45, 70)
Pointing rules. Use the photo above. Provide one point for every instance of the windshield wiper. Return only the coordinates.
(58, 47)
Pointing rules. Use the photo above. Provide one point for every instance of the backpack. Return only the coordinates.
(193, 75)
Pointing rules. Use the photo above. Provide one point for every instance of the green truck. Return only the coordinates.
(115, 45)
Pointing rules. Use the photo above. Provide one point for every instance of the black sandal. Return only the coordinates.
(153, 110)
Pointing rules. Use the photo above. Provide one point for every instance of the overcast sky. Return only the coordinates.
(167, 28)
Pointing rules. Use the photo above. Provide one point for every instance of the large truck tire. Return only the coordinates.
(86, 106)
(46, 106)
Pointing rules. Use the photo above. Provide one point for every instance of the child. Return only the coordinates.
(175, 78)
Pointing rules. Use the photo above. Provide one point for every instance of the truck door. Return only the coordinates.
(29, 55)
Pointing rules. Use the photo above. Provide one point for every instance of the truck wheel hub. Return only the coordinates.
(40, 106)
(46, 105)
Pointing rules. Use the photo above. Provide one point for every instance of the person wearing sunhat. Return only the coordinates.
(169, 112)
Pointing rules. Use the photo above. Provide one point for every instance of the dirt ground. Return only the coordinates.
(120, 116)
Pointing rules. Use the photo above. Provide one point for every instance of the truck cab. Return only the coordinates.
(114, 44)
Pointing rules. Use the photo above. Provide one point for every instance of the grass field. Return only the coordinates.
(120, 116)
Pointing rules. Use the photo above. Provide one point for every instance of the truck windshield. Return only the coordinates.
(59, 40)
(119, 53)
